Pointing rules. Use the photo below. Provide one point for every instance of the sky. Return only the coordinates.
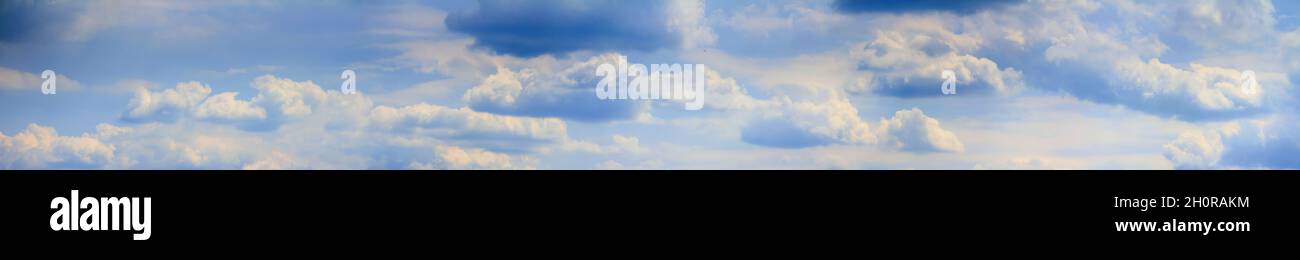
(501, 84)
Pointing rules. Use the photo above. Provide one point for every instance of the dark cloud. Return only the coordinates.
(532, 28)
(20, 20)
(898, 6)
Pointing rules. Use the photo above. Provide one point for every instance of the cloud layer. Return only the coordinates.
(504, 84)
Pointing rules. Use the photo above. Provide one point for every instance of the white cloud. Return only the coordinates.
(276, 161)
(185, 145)
(224, 106)
(686, 17)
(1198, 149)
(166, 105)
(1204, 87)
(564, 89)
(288, 98)
(836, 120)
(1191, 92)
(609, 165)
(912, 130)
(805, 124)
(1119, 60)
(1269, 143)
(278, 100)
(625, 144)
(39, 147)
(497, 132)
(910, 60)
(457, 158)
(315, 129)
(815, 116)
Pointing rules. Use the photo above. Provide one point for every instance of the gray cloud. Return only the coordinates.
(531, 28)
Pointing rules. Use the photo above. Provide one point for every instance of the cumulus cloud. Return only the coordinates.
(1123, 59)
(806, 124)
(911, 130)
(1197, 149)
(453, 58)
(502, 133)
(532, 28)
(686, 19)
(911, 61)
(278, 100)
(890, 6)
(625, 144)
(224, 106)
(1193, 93)
(786, 122)
(184, 145)
(815, 115)
(276, 161)
(40, 147)
(166, 105)
(609, 165)
(186, 128)
(152, 146)
(564, 91)
(1251, 144)
(809, 124)
(1127, 67)
(457, 158)
(287, 98)
(396, 138)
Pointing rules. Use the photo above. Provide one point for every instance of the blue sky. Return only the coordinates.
(831, 84)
